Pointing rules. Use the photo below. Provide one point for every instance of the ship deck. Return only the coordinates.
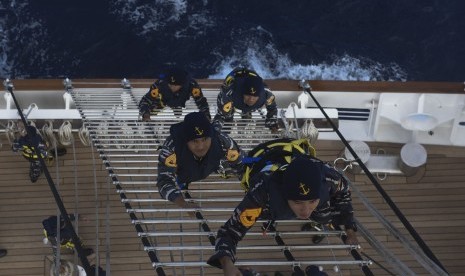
(432, 200)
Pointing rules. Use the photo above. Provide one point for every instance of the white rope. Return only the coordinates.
(10, 130)
(309, 131)
(47, 133)
(84, 136)
(65, 135)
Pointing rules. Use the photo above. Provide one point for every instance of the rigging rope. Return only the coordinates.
(47, 133)
(10, 131)
(380, 189)
(65, 135)
(83, 134)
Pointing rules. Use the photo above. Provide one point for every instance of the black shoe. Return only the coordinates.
(60, 152)
(313, 226)
(247, 272)
(3, 252)
(318, 238)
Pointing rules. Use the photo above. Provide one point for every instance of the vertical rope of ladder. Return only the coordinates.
(76, 190)
(128, 88)
(380, 189)
(114, 179)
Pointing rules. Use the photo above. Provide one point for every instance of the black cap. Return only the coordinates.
(196, 125)
(302, 179)
(176, 76)
(253, 86)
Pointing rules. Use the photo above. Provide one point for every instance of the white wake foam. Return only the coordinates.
(271, 64)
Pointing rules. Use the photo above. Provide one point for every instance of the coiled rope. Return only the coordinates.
(10, 130)
(47, 133)
(84, 136)
(65, 135)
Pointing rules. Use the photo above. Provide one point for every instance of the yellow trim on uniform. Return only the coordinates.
(228, 80)
(232, 155)
(170, 161)
(227, 107)
(303, 146)
(196, 92)
(154, 93)
(249, 216)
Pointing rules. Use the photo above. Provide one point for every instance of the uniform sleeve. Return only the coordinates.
(42, 146)
(243, 218)
(199, 98)
(232, 162)
(167, 165)
(16, 145)
(151, 101)
(225, 108)
(341, 200)
(271, 120)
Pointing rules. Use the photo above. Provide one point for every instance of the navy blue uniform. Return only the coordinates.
(159, 96)
(177, 164)
(25, 144)
(265, 201)
(231, 97)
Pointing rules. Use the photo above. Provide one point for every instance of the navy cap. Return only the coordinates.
(176, 76)
(253, 86)
(196, 125)
(302, 179)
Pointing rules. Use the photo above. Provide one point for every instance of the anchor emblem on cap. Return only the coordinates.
(303, 190)
(198, 131)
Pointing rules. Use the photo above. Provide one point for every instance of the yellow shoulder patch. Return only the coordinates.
(270, 100)
(232, 155)
(170, 161)
(227, 107)
(154, 93)
(249, 216)
(196, 92)
(228, 80)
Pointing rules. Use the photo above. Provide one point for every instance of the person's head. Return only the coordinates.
(252, 89)
(176, 78)
(302, 181)
(198, 132)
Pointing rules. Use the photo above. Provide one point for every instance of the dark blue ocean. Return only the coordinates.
(413, 40)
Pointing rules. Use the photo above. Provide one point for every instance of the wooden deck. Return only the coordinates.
(433, 201)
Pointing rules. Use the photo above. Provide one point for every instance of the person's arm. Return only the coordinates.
(42, 146)
(199, 98)
(342, 201)
(150, 102)
(225, 107)
(243, 218)
(17, 144)
(271, 120)
(232, 161)
(229, 269)
(167, 166)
